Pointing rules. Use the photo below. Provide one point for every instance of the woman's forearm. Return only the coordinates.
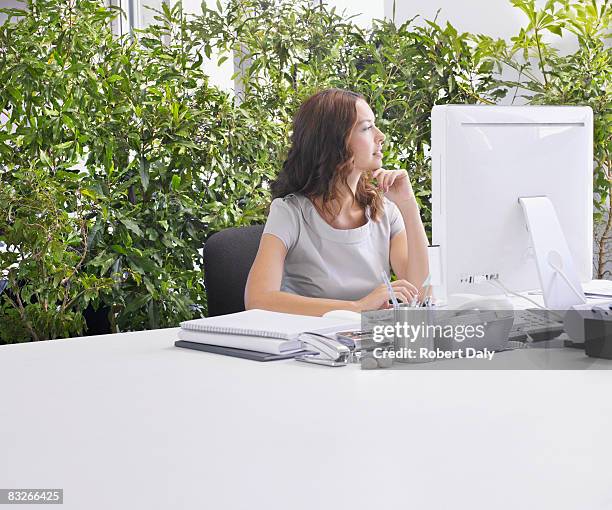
(292, 303)
(418, 260)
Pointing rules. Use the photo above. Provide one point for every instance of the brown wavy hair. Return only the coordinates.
(319, 160)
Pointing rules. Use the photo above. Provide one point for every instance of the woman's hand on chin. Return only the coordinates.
(395, 184)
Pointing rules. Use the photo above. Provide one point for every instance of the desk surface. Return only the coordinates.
(129, 421)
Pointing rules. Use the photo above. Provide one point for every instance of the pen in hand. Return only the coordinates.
(426, 285)
(390, 290)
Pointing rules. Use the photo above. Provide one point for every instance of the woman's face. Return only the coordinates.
(365, 140)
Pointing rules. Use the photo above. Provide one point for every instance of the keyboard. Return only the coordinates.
(536, 324)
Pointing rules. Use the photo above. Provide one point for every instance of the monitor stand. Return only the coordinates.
(556, 269)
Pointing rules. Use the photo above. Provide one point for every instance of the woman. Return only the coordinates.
(331, 233)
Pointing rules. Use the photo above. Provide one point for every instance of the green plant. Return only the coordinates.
(137, 153)
(45, 95)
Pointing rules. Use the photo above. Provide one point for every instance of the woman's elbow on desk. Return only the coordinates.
(255, 302)
(255, 295)
(249, 304)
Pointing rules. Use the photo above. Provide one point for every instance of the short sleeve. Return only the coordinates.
(283, 221)
(396, 222)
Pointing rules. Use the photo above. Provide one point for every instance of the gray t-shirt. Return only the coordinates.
(326, 262)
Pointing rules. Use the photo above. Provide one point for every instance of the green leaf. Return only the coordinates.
(150, 287)
(136, 303)
(132, 226)
(119, 249)
(64, 145)
(88, 193)
(45, 159)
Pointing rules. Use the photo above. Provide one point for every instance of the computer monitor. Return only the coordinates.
(484, 159)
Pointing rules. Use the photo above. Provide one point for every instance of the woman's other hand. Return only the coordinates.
(379, 297)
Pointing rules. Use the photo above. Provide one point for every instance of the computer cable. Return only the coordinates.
(508, 291)
(556, 262)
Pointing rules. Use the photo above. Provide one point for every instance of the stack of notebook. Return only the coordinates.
(255, 334)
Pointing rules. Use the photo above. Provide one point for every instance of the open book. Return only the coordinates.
(260, 330)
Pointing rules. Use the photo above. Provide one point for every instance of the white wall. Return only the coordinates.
(365, 10)
(497, 18)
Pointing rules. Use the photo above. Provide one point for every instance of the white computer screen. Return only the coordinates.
(483, 159)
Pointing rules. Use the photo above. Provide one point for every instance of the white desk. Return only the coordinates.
(131, 422)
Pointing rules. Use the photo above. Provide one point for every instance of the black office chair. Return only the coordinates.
(228, 257)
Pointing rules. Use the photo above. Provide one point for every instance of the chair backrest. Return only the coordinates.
(228, 257)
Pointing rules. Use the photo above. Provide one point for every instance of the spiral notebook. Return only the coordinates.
(259, 330)
(250, 342)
